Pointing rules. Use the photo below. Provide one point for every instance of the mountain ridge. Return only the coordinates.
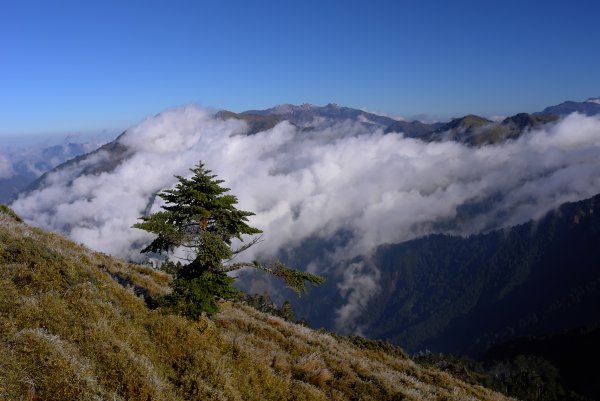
(537, 265)
(470, 129)
(590, 107)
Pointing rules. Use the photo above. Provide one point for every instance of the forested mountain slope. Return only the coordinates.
(456, 294)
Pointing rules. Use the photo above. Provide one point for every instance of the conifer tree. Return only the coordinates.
(200, 220)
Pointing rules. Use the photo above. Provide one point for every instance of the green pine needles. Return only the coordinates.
(200, 221)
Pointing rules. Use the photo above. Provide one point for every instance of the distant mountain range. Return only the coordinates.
(590, 107)
(471, 129)
(104, 159)
(30, 164)
(306, 114)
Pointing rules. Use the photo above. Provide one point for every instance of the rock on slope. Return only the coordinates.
(75, 324)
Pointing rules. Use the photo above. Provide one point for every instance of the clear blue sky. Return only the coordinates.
(90, 65)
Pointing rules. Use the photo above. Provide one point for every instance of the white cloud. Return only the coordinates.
(359, 284)
(380, 188)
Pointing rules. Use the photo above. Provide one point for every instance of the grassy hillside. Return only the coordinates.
(76, 325)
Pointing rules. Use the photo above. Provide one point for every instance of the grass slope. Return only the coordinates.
(75, 325)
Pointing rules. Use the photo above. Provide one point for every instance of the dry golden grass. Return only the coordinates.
(74, 325)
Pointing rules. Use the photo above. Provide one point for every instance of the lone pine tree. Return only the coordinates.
(200, 220)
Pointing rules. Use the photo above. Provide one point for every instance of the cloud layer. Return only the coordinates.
(379, 188)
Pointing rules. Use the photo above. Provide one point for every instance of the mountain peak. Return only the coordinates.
(467, 123)
(305, 114)
(589, 107)
(283, 108)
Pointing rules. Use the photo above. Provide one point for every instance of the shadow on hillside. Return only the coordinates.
(124, 281)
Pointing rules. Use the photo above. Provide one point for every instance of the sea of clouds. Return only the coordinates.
(379, 188)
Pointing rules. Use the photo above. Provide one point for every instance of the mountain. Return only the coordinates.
(256, 122)
(454, 294)
(80, 325)
(510, 128)
(413, 129)
(109, 156)
(459, 129)
(399, 189)
(574, 353)
(307, 114)
(590, 107)
(11, 186)
(478, 131)
(102, 160)
(438, 292)
(523, 299)
(471, 129)
(29, 164)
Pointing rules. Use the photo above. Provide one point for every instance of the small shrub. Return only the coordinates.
(264, 303)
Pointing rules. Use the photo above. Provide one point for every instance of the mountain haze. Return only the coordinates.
(26, 164)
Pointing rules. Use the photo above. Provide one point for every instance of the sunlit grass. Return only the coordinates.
(74, 326)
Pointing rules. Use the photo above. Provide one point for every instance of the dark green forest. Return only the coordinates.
(453, 294)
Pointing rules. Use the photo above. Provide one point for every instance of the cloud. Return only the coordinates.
(32, 157)
(378, 188)
(6, 169)
(359, 284)
(383, 114)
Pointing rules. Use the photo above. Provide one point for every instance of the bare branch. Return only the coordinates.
(254, 241)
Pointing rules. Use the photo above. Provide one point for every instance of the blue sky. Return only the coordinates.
(71, 66)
